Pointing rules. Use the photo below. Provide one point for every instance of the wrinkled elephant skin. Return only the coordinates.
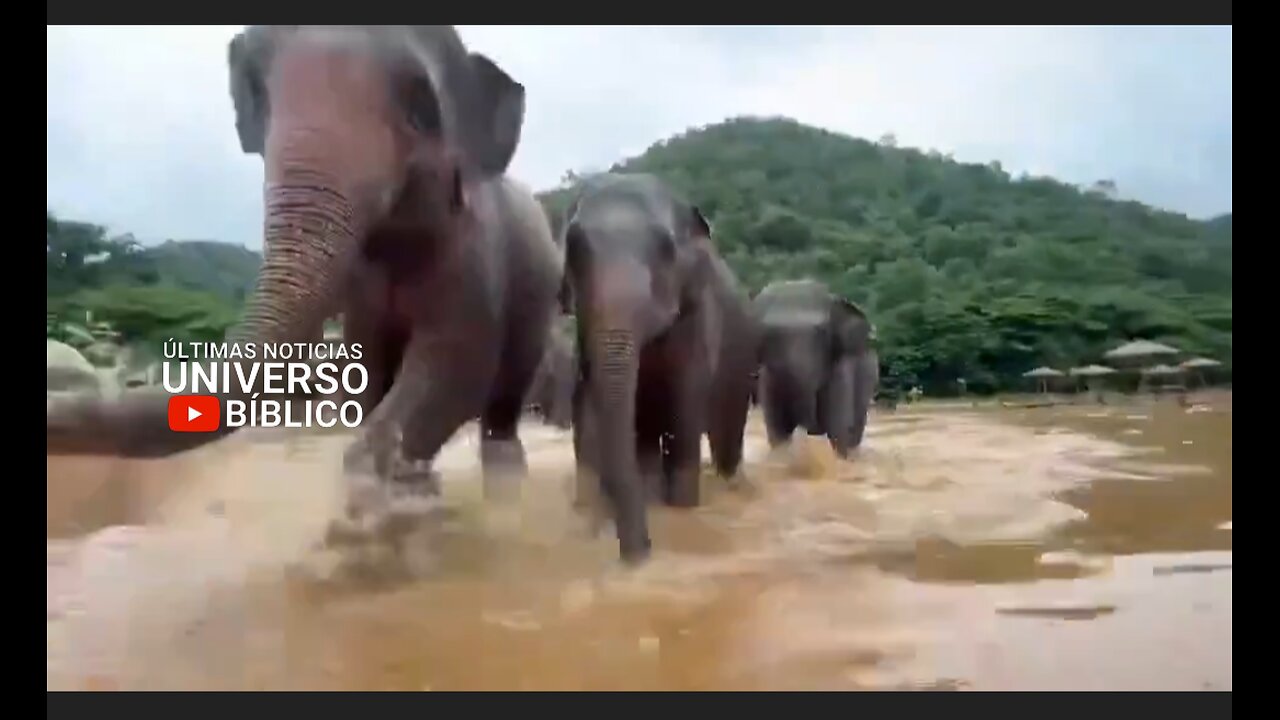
(384, 151)
(666, 346)
(817, 369)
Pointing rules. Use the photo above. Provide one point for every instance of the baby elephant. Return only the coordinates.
(551, 392)
(666, 347)
(817, 369)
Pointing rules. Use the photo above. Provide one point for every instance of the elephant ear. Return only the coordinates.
(560, 228)
(497, 116)
(851, 329)
(247, 95)
(698, 233)
(699, 226)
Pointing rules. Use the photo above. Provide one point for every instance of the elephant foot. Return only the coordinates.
(586, 488)
(686, 489)
(377, 511)
(636, 554)
(373, 453)
(416, 477)
(504, 469)
(740, 482)
(778, 441)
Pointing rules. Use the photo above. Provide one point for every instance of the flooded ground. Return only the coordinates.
(1079, 547)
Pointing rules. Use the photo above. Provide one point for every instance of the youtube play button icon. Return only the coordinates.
(194, 413)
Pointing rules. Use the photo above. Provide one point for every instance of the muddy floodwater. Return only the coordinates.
(1075, 547)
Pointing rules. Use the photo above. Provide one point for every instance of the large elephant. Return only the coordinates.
(666, 344)
(817, 368)
(551, 392)
(385, 150)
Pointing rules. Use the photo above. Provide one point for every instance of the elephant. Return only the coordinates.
(385, 152)
(551, 393)
(666, 345)
(817, 369)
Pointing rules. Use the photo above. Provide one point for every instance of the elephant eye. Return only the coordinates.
(666, 249)
(422, 105)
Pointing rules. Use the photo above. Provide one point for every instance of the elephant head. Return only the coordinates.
(815, 359)
(637, 260)
(351, 122)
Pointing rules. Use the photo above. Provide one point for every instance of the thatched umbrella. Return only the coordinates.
(1196, 365)
(1091, 373)
(1139, 349)
(1160, 371)
(1134, 354)
(1043, 374)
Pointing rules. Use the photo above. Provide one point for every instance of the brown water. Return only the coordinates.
(1082, 547)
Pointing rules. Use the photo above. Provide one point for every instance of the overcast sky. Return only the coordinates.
(141, 135)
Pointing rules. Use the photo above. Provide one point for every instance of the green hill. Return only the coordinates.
(967, 271)
(186, 289)
(223, 269)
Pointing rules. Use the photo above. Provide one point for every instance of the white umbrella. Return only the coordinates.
(1043, 374)
(1196, 364)
(1140, 348)
(1091, 371)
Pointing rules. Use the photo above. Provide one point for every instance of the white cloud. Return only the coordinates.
(141, 136)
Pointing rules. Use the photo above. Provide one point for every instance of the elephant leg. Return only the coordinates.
(687, 423)
(727, 420)
(417, 472)
(445, 386)
(364, 323)
(649, 460)
(838, 401)
(502, 454)
(585, 447)
(649, 431)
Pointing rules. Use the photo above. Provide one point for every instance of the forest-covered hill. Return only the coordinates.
(190, 289)
(966, 271)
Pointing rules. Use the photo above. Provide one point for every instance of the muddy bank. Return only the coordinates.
(961, 548)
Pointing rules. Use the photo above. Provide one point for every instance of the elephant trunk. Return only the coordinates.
(866, 377)
(615, 366)
(615, 312)
(310, 232)
(799, 377)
